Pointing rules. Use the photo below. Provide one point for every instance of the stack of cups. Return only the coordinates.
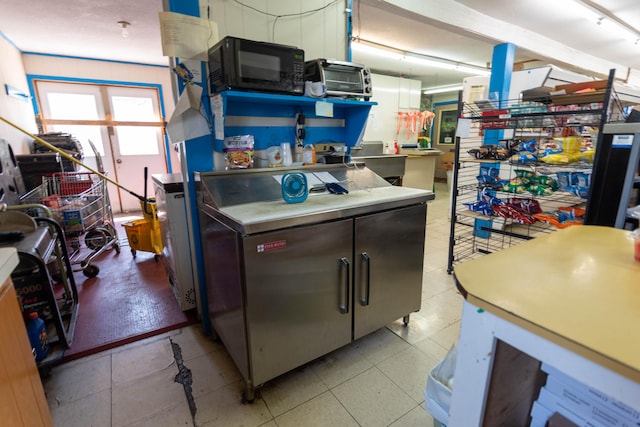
(287, 158)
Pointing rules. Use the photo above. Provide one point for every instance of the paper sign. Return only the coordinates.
(464, 128)
(218, 116)
(324, 109)
(187, 121)
(186, 37)
(195, 69)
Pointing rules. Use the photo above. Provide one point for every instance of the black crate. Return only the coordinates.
(34, 166)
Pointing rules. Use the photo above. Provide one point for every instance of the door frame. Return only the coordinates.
(32, 78)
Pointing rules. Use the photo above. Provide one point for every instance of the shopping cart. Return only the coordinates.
(79, 201)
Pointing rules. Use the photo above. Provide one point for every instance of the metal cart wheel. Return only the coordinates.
(91, 270)
(97, 238)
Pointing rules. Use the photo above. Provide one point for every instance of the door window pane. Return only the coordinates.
(137, 140)
(83, 134)
(127, 108)
(72, 106)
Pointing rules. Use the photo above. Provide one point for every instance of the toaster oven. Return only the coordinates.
(340, 78)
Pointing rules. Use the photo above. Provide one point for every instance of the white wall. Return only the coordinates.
(15, 110)
(393, 95)
(444, 97)
(322, 34)
(110, 71)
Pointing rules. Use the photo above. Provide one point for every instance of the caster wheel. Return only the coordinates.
(97, 238)
(116, 247)
(133, 252)
(91, 271)
(248, 397)
(156, 257)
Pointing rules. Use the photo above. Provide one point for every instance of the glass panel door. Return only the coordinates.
(123, 125)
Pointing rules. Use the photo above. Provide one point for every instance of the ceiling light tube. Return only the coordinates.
(442, 89)
(606, 19)
(375, 51)
(414, 58)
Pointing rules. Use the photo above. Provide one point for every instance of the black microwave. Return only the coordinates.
(241, 64)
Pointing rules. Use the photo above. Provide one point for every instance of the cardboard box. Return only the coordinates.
(556, 403)
(579, 93)
(558, 420)
(598, 397)
(585, 406)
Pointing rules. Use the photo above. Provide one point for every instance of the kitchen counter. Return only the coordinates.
(255, 204)
(420, 167)
(263, 216)
(569, 299)
(289, 282)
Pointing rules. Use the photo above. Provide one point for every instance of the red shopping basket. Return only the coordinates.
(73, 183)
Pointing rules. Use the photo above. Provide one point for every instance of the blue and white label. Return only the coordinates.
(622, 141)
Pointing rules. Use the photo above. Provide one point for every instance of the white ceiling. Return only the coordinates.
(464, 31)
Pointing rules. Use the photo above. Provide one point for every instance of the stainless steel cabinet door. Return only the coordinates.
(388, 261)
(223, 275)
(297, 296)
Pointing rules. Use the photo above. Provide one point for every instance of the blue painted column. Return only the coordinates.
(197, 155)
(499, 85)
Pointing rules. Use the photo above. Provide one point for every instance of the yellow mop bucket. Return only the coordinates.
(143, 236)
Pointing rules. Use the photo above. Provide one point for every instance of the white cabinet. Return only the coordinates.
(409, 93)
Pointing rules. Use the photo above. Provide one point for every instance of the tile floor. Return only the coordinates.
(378, 380)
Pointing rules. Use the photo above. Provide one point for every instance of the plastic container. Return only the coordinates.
(309, 155)
(149, 209)
(437, 398)
(287, 156)
(37, 331)
(437, 394)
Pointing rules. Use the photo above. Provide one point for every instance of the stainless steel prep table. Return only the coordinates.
(288, 283)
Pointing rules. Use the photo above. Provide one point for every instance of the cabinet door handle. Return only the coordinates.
(366, 259)
(344, 303)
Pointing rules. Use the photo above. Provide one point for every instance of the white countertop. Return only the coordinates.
(260, 212)
(8, 262)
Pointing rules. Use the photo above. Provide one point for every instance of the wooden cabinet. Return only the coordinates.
(22, 398)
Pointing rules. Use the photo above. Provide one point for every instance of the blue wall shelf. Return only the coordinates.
(270, 118)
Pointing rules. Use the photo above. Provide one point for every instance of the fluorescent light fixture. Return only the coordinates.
(442, 89)
(619, 30)
(414, 58)
(586, 12)
(606, 20)
(364, 48)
